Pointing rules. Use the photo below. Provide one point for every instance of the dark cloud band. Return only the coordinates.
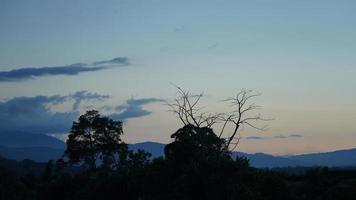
(34, 114)
(70, 70)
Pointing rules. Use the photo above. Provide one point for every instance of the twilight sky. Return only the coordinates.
(59, 58)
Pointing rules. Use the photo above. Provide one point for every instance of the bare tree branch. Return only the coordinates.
(185, 107)
(240, 114)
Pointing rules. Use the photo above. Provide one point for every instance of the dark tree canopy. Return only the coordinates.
(198, 144)
(95, 139)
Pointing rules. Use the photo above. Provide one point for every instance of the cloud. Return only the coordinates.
(118, 60)
(36, 114)
(295, 135)
(280, 136)
(288, 136)
(133, 108)
(254, 138)
(85, 95)
(179, 29)
(213, 46)
(33, 114)
(274, 137)
(30, 114)
(29, 73)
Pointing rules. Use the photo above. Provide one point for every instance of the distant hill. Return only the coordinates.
(23, 145)
(25, 139)
(41, 148)
(38, 154)
(262, 160)
(45, 153)
(155, 148)
(340, 158)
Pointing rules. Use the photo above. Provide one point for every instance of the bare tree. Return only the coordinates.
(186, 108)
(241, 115)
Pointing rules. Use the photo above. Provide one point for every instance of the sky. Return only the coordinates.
(59, 58)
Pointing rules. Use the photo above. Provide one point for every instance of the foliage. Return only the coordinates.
(196, 165)
(195, 144)
(96, 139)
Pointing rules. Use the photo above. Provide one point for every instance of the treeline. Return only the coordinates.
(97, 164)
(161, 179)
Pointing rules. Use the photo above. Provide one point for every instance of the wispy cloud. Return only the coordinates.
(28, 73)
(118, 60)
(213, 46)
(133, 108)
(179, 29)
(274, 137)
(295, 135)
(254, 138)
(280, 136)
(292, 136)
(85, 95)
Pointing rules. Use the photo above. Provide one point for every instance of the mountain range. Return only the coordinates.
(41, 148)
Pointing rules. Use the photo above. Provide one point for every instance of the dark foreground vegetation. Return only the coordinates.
(196, 165)
(163, 179)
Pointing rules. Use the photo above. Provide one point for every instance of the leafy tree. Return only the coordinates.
(196, 144)
(95, 139)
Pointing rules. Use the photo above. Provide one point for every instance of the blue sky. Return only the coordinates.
(299, 54)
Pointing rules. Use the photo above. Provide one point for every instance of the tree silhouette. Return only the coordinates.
(196, 144)
(95, 139)
(241, 115)
(186, 107)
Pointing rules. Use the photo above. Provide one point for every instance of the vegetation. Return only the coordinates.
(96, 139)
(186, 107)
(197, 164)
